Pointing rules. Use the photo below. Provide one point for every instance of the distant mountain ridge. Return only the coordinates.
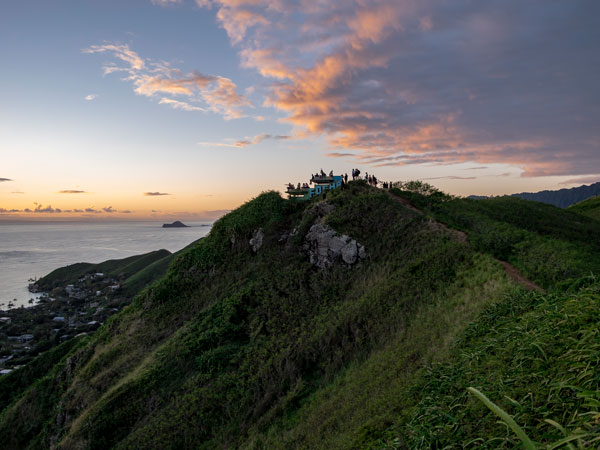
(563, 198)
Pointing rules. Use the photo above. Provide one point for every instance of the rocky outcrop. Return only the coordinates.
(325, 247)
(257, 240)
(176, 224)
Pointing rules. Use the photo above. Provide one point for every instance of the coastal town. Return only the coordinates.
(65, 312)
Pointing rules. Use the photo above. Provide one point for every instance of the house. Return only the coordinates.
(321, 183)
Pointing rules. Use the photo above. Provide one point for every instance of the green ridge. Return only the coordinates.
(120, 268)
(237, 349)
(589, 207)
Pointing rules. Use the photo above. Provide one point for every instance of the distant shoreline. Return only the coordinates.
(10, 221)
(34, 249)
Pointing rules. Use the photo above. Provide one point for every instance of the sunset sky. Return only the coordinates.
(184, 109)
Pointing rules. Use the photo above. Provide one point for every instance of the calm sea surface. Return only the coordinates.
(33, 250)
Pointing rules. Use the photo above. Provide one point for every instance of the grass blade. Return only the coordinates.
(527, 443)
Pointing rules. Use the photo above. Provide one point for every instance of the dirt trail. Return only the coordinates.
(404, 202)
(517, 277)
(462, 237)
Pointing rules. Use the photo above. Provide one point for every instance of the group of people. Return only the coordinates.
(370, 179)
(322, 174)
(291, 187)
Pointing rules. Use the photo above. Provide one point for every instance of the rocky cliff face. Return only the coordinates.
(257, 240)
(325, 247)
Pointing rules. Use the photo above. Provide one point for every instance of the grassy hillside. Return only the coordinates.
(241, 349)
(589, 207)
(118, 268)
(534, 356)
(547, 244)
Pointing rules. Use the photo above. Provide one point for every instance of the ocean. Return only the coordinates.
(32, 250)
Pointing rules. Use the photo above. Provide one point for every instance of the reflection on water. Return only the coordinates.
(33, 250)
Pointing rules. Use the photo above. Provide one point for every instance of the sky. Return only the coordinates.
(158, 109)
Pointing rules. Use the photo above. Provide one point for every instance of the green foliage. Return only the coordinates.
(240, 349)
(25, 422)
(548, 244)
(536, 356)
(506, 418)
(528, 443)
(119, 268)
(147, 274)
(589, 208)
(14, 384)
(421, 194)
(234, 230)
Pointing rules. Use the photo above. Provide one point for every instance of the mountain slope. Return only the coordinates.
(118, 268)
(589, 207)
(237, 348)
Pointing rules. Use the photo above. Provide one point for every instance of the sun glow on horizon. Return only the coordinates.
(195, 107)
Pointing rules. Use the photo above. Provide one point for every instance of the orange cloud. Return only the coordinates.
(122, 52)
(176, 104)
(149, 85)
(245, 142)
(428, 82)
(205, 92)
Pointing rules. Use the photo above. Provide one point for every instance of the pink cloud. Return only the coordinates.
(582, 180)
(203, 92)
(427, 81)
(246, 141)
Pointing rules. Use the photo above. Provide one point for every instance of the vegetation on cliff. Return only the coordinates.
(245, 347)
(589, 207)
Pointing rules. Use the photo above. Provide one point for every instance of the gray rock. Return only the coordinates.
(257, 240)
(362, 253)
(326, 247)
(350, 252)
(336, 244)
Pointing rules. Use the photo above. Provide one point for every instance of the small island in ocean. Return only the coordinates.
(176, 224)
